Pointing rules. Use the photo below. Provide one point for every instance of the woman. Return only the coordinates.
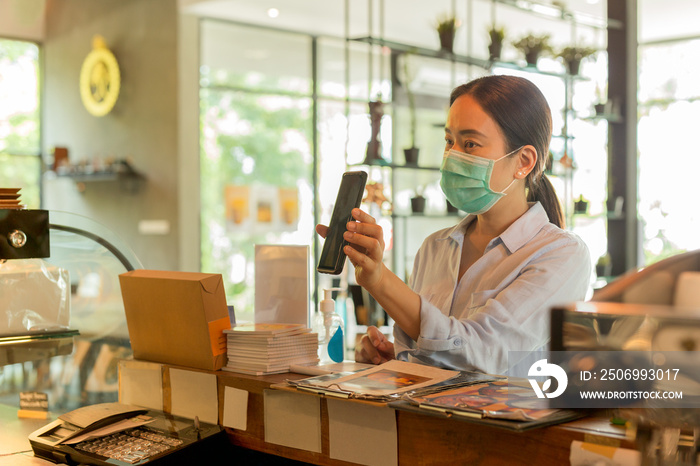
(484, 287)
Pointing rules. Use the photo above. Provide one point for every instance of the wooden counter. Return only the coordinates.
(426, 439)
(420, 439)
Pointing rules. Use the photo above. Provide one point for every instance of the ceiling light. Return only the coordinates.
(273, 12)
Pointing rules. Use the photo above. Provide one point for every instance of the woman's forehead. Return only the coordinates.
(467, 117)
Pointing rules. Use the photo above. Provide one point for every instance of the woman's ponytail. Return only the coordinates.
(542, 190)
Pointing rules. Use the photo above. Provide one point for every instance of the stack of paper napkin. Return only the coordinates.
(260, 349)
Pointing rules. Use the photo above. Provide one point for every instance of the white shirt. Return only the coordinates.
(503, 300)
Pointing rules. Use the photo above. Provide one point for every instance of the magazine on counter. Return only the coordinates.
(388, 381)
(498, 399)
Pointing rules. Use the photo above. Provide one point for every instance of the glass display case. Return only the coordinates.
(76, 365)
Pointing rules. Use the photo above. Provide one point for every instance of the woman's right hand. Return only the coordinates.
(374, 348)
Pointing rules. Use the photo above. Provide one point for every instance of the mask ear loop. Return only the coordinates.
(508, 154)
(511, 183)
(507, 187)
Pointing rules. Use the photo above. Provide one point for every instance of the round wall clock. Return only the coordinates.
(99, 79)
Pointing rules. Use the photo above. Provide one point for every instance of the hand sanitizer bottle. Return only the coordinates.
(329, 326)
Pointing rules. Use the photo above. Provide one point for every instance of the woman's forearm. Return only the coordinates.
(399, 301)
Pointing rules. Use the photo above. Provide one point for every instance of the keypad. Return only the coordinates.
(130, 446)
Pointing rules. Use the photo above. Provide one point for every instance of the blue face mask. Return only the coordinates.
(466, 181)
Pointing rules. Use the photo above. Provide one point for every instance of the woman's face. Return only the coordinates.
(469, 129)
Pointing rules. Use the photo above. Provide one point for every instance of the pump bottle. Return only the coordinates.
(329, 326)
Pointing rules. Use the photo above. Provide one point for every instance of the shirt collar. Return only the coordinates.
(525, 228)
(515, 236)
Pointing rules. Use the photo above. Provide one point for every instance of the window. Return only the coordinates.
(20, 129)
(266, 124)
(669, 107)
(256, 150)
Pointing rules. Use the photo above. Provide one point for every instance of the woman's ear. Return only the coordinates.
(527, 160)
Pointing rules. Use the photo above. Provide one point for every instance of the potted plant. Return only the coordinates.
(446, 27)
(410, 153)
(496, 34)
(532, 47)
(418, 201)
(603, 268)
(600, 106)
(581, 205)
(572, 57)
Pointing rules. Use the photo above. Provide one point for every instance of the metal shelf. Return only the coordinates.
(457, 58)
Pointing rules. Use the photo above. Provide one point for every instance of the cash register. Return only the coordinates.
(118, 434)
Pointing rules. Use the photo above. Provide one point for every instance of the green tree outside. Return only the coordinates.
(244, 143)
(20, 151)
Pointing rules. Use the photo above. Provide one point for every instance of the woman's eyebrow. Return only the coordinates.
(466, 132)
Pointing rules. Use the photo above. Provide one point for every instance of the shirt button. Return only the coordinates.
(457, 342)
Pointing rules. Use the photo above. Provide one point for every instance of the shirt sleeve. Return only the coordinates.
(515, 318)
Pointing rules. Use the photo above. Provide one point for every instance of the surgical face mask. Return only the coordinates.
(466, 181)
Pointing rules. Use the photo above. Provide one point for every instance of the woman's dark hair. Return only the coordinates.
(522, 113)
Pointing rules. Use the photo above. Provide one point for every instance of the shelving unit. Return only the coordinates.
(400, 257)
(121, 171)
(566, 115)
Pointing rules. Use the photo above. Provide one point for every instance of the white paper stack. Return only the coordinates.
(260, 349)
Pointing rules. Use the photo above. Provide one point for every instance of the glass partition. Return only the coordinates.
(85, 368)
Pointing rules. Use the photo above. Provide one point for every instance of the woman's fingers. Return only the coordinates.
(362, 243)
(381, 343)
(365, 235)
(363, 353)
(367, 229)
(368, 353)
(322, 230)
(362, 216)
(374, 348)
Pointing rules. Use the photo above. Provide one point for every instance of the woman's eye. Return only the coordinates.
(469, 145)
(448, 142)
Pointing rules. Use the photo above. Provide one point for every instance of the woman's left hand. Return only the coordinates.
(366, 249)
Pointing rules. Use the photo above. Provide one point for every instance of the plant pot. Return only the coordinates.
(447, 39)
(581, 206)
(599, 109)
(573, 66)
(411, 155)
(531, 57)
(418, 204)
(495, 49)
(603, 270)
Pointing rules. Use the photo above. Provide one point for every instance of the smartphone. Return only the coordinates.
(349, 197)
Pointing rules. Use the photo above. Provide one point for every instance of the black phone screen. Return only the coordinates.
(350, 193)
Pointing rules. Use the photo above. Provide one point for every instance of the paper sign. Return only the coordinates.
(37, 401)
(235, 408)
(583, 454)
(194, 394)
(351, 424)
(293, 420)
(282, 284)
(141, 384)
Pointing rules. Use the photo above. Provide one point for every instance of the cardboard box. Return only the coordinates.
(176, 317)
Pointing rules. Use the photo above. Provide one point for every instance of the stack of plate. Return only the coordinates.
(9, 199)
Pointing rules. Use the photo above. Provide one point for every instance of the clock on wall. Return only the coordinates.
(99, 79)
